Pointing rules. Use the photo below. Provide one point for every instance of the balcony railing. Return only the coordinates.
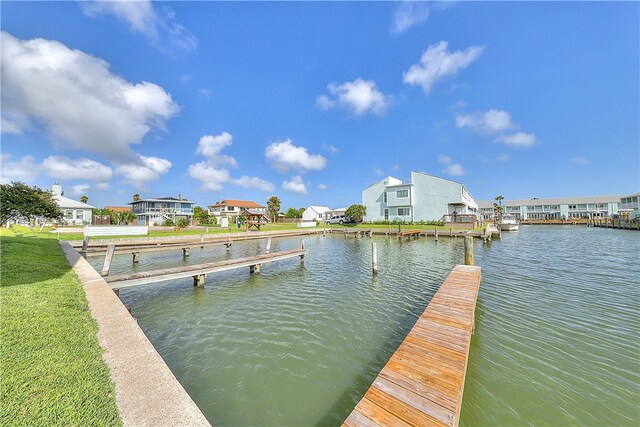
(180, 211)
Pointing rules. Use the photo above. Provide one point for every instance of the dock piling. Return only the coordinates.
(185, 252)
(136, 257)
(302, 247)
(436, 234)
(107, 260)
(374, 257)
(198, 280)
(468, 250)
(85, 243)
(268, 246)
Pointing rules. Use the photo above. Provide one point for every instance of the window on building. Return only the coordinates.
(402, 194)
(404, 211)
(79, 214)
(68, 214)
(384, 197)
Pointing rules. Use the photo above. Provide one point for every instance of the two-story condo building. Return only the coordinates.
(231, 208)
(156, 211)
(564, 208)
(425, 198)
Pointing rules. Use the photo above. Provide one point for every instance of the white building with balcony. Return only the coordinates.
(231, 208)
(425, 198)
(157, 211)
(629, 206)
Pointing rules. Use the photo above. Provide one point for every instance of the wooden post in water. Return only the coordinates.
(302, 247)
(374, 257)
(136, 257)
(436, 234)
(255, 268)
(268, 246)
(85, 243)
(107, 260)
(468, 250)
(185, 252)
(199, 280)
(450, 235)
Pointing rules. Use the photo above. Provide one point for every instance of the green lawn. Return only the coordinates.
(51, 362)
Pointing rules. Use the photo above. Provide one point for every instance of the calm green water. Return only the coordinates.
(557, 337)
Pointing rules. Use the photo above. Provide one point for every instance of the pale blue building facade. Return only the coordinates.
(425, 198)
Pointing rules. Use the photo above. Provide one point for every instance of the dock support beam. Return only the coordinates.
(85, 243)
(302, 247)
(268, 246)
(436, 234)
(107, 260)
(185, 252)
(136, 257)
(255, 268)
(374, 257)
(468, 250)
(199, 280)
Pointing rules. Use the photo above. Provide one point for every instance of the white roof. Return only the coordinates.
(319, 209)
(339, 209)
(65, 202)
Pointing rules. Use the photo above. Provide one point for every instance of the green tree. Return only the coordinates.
(136, 197)
(356, 212)
(292, 213)
(84, 199)
(168, 223)
(300, 212)
(182, 222)
(19, 201)
(273, 207)
(497, 207)
(201, 215)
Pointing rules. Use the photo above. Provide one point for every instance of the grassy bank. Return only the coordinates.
(51, 362)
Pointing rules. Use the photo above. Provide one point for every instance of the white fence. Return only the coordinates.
(305, 224)
(115, 230)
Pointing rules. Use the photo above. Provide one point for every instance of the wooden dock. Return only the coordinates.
(423, 382)
(199, 271)
(409, 233)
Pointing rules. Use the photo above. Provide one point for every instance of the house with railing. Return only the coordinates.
(231, 209)
(157, 211)
(424, 198)
(560, 208)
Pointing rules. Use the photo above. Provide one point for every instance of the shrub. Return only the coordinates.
(182, 223)
(168, 223)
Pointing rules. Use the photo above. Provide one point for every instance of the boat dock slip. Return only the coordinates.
(199, 271)
(423, 382)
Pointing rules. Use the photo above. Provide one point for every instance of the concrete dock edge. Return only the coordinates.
(147, 392)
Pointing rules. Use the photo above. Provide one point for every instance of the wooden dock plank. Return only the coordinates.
(152, 276)
(422, 384)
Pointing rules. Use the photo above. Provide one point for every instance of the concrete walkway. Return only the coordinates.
(147, 392)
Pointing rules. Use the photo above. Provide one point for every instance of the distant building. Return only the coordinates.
(156, 211)
(231, 208)
(74, 212)
(315, 213)
(629, 207)
(556, 208)
(425, 198)
(118, 208)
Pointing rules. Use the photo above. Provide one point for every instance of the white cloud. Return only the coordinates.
(205, 93)
(580, 161)
(490, 121)
(284, 156)
(9, 126)
(296, 185)
(62, 168)
(80, 189)
(210, 146)
(358, 97)
(377, 171)
(254, 182)
(503, 157)
(159, 28)
(210, 178)
(322, 186)
(437, 62)
(77, 98)
(444, 159)
(454, 169)
(408, 14)
(145, 170)
(519, 139)
(102, 186)
(25, 169)
(331, 148)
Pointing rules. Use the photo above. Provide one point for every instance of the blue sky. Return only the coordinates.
(314, 102)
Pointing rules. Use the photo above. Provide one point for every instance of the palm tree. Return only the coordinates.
(136, 197)
(497, 207)
(273, 207)
(84, 199)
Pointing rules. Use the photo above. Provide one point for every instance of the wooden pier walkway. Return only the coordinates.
(199, 271)
(423, 382)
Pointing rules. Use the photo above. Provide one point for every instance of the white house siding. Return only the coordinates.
(315, 213)
(429, 198)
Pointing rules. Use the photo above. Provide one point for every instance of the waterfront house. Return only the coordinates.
(424, 198)
(156, 211)
(561, 208)
(74, 212)
(629, 207)
(230, 209)
(315, 213)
